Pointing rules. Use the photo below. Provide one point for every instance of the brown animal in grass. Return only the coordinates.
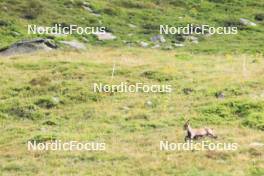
(193, 133)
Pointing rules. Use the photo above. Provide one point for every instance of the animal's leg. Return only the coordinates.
(186, 138)
(192, 136)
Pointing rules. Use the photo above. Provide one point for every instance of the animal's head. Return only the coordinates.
(187, 123)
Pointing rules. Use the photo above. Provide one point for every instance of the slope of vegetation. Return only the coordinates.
(217, 83)
(147, 15)
(49, 96)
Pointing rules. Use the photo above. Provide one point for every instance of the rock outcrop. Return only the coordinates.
(246, 22)
(158, 38)
(105, 36)
(74, 44)
(28, 46)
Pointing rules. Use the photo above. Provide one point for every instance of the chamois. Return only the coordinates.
(196, 133)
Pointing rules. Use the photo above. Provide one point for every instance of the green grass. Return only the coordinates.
(48, 96)
(116, 15)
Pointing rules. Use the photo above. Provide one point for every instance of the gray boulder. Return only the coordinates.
(144, 44)
(88, 8)
(105, 36)
(28, 46)
(156, 46)
(158, 38)
(74, 44)
(179, 45)
(132, 25)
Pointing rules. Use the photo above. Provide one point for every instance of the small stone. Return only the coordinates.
(156, 46)
(74, 44)
(179, 45)
(132, 25)
(96, 14)
(256, 144)
(56, 100)
(88, 9)
(14, 33)
(158, 38)
(86, 4)
(43, 129)
(105, 36)
(149, 103)
(246, 22)
(144, 44)
(125, 108)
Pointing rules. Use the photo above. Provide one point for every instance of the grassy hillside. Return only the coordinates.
(217, 82)
(49, 96)
(146, 15)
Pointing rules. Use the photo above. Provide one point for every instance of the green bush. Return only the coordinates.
(217, 111)
(254, 120)
(250, 113)
(244, 108)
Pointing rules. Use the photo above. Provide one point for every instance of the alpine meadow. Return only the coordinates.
(128, 92)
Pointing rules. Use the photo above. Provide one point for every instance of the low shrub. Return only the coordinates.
(254, 120)
(250, 113)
